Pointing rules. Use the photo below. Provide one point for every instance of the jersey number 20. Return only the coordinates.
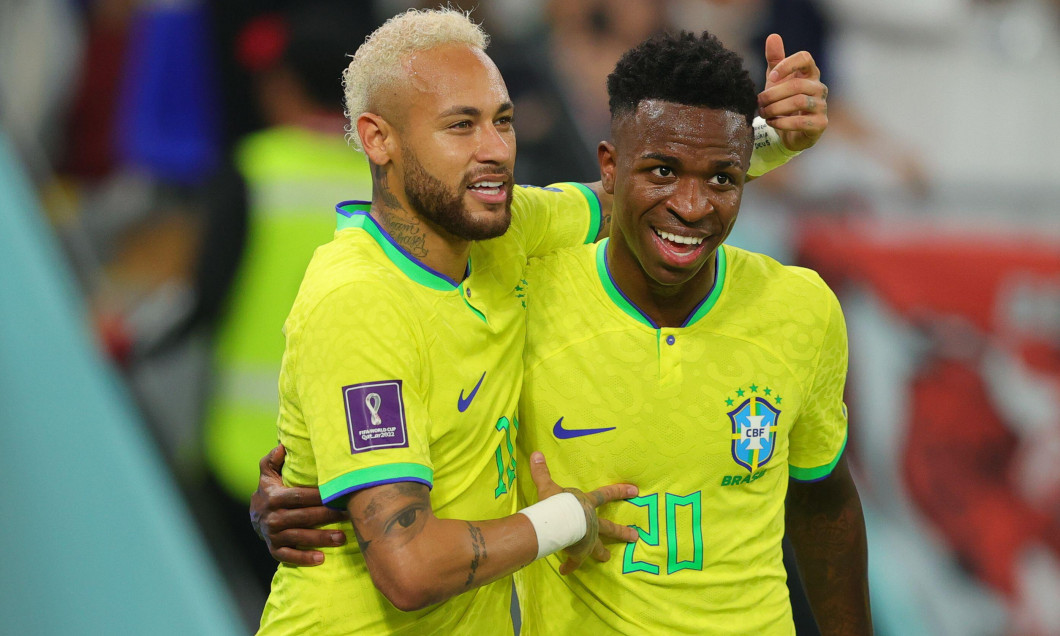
(675, 536)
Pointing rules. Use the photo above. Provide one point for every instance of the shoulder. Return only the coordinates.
(531, 202)
(348, 280)
(529, 196)
(761, 275)
(561, 268)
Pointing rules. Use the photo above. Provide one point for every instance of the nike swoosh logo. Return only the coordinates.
(570, 433)
(462, 404)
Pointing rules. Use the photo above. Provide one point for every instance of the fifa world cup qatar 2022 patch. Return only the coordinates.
(375, 416)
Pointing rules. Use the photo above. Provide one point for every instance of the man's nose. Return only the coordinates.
(493, 147)
(691, 201)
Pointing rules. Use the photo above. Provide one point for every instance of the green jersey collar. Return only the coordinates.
(355, 214)
(626, 305)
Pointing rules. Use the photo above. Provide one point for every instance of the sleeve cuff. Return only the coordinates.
(816, 474)
(334, 492)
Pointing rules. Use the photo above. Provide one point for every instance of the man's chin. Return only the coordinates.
(492, 225)
(487, 221)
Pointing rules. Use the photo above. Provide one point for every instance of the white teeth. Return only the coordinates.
(676, 238)
(487, 184)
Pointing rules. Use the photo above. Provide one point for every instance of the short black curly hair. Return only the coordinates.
(683, 68)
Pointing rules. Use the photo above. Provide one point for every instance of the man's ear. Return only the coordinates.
(605, 153)
(375, 132)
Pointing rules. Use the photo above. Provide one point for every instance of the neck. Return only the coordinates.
(431, 245)
(666, 305)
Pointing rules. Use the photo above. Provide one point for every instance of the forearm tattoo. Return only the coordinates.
(478, 545)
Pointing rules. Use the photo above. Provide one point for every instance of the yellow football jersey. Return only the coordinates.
(709, 420)
(394, 372)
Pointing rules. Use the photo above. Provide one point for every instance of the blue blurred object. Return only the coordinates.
(97, 538)
(168, 115)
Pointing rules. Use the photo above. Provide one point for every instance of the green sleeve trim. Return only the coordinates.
(819, 473)
(334, 492)
(595, 216)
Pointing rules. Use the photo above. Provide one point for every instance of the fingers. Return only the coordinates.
(300, 539)
(801, 63)
(273, 461)
(614, 492)
(793, 87)
(542, 477)
(774, 52)
(571, 564)
(810, 125)
(600, 553)
(617, 532)
(305, 518)
(280, 497)
(796, 104)
(304, 558)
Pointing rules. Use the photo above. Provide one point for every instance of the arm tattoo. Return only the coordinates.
(361, 542)
(405, 518)
(478, 544)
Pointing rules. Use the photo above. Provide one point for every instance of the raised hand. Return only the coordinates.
(286, 517)
(794, 101)
(596, 528)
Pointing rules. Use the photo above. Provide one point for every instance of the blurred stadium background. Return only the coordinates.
(167, 166)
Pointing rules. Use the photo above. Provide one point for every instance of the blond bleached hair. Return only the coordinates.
(379, 60)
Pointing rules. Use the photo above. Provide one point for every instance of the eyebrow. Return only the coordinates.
(658, 156)
(471, 111)
(670, 159)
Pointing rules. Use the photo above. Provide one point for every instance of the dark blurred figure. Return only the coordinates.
(264, 220)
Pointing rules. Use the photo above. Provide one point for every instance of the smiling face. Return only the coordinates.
(677, 174)
(454, 144)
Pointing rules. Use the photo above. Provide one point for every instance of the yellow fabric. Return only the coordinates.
(365, 318)
(709, 561)
(293, 178)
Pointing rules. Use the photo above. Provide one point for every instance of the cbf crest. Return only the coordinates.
(754, 427)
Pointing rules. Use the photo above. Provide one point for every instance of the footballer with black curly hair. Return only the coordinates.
(710, 376)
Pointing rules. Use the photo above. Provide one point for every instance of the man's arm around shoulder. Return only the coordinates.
(417, 559)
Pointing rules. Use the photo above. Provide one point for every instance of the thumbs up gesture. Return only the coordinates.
(794, 101)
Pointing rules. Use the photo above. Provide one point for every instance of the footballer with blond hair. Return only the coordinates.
(403, 358)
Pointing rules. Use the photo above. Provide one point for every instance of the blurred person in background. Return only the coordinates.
(264, 223)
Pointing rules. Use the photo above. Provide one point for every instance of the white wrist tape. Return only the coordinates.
(559, 521)
(769, 151)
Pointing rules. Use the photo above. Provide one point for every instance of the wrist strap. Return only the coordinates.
(769, 151)
(559, 521)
